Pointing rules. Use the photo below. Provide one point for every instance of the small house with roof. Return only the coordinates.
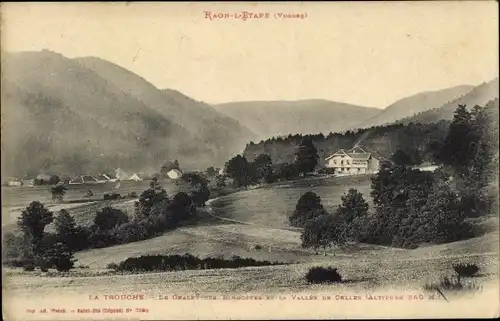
(353, 161)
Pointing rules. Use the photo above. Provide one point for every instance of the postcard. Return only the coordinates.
(249, 160)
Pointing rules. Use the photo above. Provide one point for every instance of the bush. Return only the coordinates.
(59, 256)
(129, 232)
(29, 266)
(112, 196)
(466, 270)
(308, 207)
(132, 195)
(323, 275)
(108, 218)
(451, 285)
(99, 239)
(184, 262)
(12, 245)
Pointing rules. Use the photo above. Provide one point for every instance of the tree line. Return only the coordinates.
(413, 207)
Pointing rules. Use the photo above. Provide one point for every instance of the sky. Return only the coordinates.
(369, 54)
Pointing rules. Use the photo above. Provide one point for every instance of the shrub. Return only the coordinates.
(109, 217)
(258, 247)
(451, 285)
(128, 232)
(13, 245)
(112, 196)
(466, 270)
(29, 266)
(308, 207)
(61, 257)
(184, 262)
(323, 275)
(132, 195)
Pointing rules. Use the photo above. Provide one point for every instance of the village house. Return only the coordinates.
(135, 177)
(353, 161)
(174, 173)
(12, 182)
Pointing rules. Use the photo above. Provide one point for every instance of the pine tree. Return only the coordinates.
(306, 157)
(66, 229)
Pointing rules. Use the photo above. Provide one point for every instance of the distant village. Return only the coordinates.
(119, 175)
(355, 161)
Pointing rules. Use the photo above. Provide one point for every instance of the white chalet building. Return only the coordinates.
(353, 161)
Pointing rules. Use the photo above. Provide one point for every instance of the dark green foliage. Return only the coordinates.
(413, 207)
(54, 179)
(406, 157)
(382, 139)
(287, 171)
(129, 232)
(12, 245)
(108, 218)
(184, 262)
(211, 171)
(308, 207)
(197, 188)
(32, 223)
(323, 231)
(58, 191)
(59, 256)
(66, 230)
(306, 157)
(111, 196)
(155, 194)
(353, 206)
(466, 270)
(239, 169)
(263, 166)
(220, 181)
(323, 275)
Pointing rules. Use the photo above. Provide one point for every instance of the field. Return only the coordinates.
(14, 200)
(234, 225)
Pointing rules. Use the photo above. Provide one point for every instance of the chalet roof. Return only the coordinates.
(356, 153)
(359, 156)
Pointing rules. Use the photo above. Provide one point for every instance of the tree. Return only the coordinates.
(402, 158)
(323, 231)
(263, 166)
(306, 157)
(66, 229)
(211, 171)
(457, 148)
(239, 170)
(196, 186)
(32, 223)
(353, 206)
(220, 181)
(61, 257)
(58, 191)
(308, 207)
(154, 194)
(108, 218)
(54, 179)
(168, 166)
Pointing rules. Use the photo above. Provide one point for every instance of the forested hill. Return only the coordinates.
(381, 140)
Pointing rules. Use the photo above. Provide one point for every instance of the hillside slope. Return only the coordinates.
(274, 118)
(479, 95)
(222, 134)
(412, 105)
(60, 116)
